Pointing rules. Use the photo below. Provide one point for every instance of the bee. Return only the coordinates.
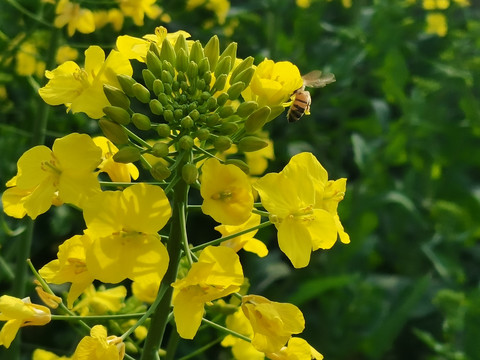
(302, 99)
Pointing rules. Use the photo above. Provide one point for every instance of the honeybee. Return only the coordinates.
(302, 99)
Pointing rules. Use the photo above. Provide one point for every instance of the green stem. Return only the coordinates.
(174, 246)
(226, 330)
(97, 317)
(31, 15)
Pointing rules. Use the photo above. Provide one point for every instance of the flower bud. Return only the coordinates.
(148, 78)
(228, 128)
(203, 66)
(222, 99)
(189, 173)
(163, 130)
(192, 71)
(240, 164)
(213, 119)
(160, 149)
(156, 107)
(196, 52)
(141, 93)
(166, 77)
(116, 97)
(222, 143)
(168, 115)
(211, 103)
(159, 171)
(168, 88)
(194, 114)
(185, 142)
(244, 65)
(257, 119)
(219, 83)
(141, 121)
(163, 98)
(230, 51)
(114, 132)
(246, 108)
(126, 83)
(251, 143)
(168, 67)
(178, 114)
(158, 87)
(181, 44)
(154, 64)
(202, 134)
(167, 52)
(117, 114)
(187, 122)
(212, 51)
(226, 111)
(182, 60)
(127, 154)
(235, 90)
(245, 76)
(155, 49)
(223, 66)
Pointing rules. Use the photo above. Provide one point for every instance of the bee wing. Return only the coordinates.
(317, 79)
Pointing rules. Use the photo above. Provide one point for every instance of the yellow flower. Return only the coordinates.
(66, 53)
(70, 266)
(245, 241)
(98, 346)
(226, 192)
(436, 4)
(116, 18)
(137, 9)
(273, 83)
(136, 48)
(241, 349)
(40, 354)
(217, 273)
(100, 302)
(116, 171)
(64, 173)
(28, 62)
(18, 313)
(303, 206)
(297, 349)
(76, 17)
(123, 226)
(81, 90)
(304, 3)
(437, 24)
(146, 290)
(273, 323)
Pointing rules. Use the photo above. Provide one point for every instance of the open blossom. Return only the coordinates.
(116, 171)
(303, 203)
(45, 177)
(296, 349)
(124, 228)
(18, 313)
(226, 192)
(81, 89)
(99, 346)
(76, 17)
(101, 301)
(217, 273)
(40, 354)
(273, 323)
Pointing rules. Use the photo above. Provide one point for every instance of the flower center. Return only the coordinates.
(225, 196)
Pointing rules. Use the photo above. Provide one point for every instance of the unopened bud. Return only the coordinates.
(160, 149)
(244, 65)
(192, 71)
(226, 111)
(168, 115)
(222, 99)
(117, 114)
(159, 171)
(114, 132)
(230, 51)
(158, 87)
(141, 93)
(163, 130)
(251, 143)
(212, 51)
(181, 44)
(163, 98)
(222, 143)
(245, 76)
(213, 119)
(194, 114)
(202, 134)
(203, 66)
(187, 122)
(127, 154)
(182, 60)
(166, 77)
(257, 119)
(154, 64)
(116, 97)
(148, 78)
(185, 142)
(156, 107)
(211, 103)
(167, 52)
(223, 66)
(196, 52)
(246, 108)
(240, 164)
(235, 90)
(141, 121)
(126, 83)
(189, 173)
(220, 83)
(228, 128)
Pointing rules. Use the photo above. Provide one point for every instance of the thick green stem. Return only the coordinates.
(174, 247)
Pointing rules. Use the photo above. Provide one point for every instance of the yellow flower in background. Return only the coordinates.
(81, 90)
(241, 349)
(137, 9)
(273, 83)
(65, 173)
(65, 53)
(116, 18)
(27, 61)
(462, 3)
(101, 301)
(436, 24)
(123, 226)
(116, 171)
(273, 323)
(146, 290)
(219, 7)
(40, 354)
(303, 3)
(297, 349)
(436, 4)
(70, 266)
(302, 203)
(76, 17)
(136, 48)
(245, 241)
(18, 313)
(99, 346)
(226, 192)
(217, 273)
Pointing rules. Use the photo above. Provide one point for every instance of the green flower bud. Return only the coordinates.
(192, 71)
(117, 114)
(126, 83)
(222, 143)
(213, 119)
(185, 142)
(160, 149)
(189, 173)
(166, 77)
(168, 115)
(240, 164)
(156, 107)
(207, 77)
(244, 65)
(245, 76)
(187, 122)
(251, 143)
(167, 52)
(116, 97)
(228, 128)
(235, 90)
(196, 52)
(154, 64)
(158, 87)
(175, 86)
(222, 99)
(202, 134)
(223, 66)
(212, 51)
(181, 44)
(141, 121)
(163, 130)
(219, 83)
(168, 88)
(201, 85)
(211, 103)
(194, 114)
(127, 154)
(159, 171)
(230, 51)
(257, 119)
(182, 60)
(203, 66)
(148, 78)
(155, 49)
(276, 111)
(178, 114)
(163, 98)
(246, 108)
(141, 93)
(226, 111)
(114, 132)
(168, 67)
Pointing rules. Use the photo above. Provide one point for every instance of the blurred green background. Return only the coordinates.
(402, 123)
